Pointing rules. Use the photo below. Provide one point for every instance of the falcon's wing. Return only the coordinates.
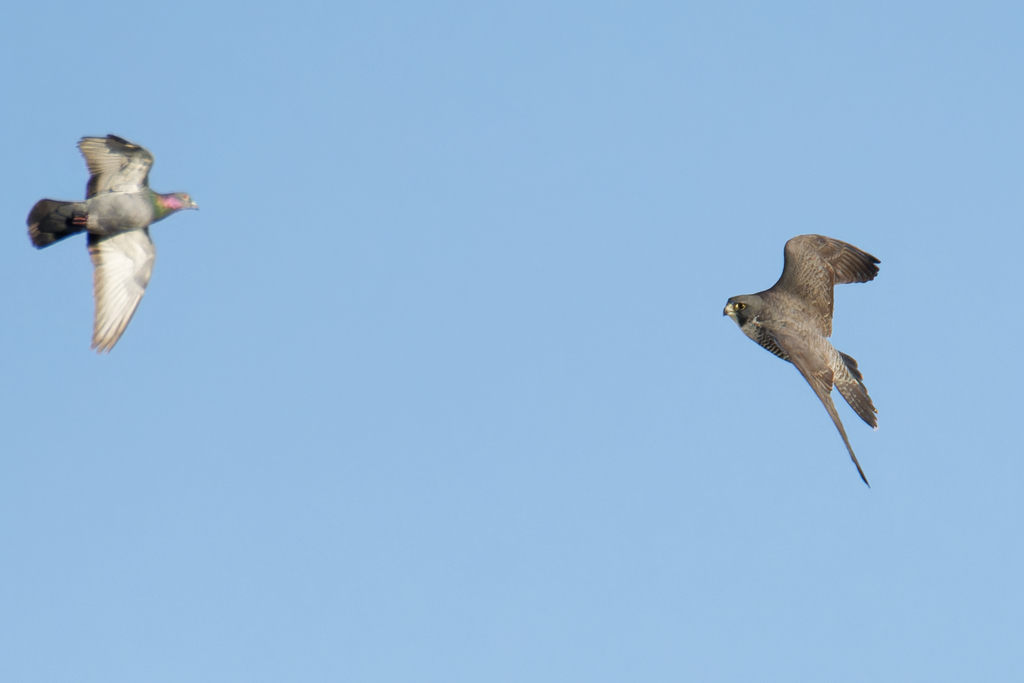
(123, 264)
(116, 165)
(814, 264)
(815, 369)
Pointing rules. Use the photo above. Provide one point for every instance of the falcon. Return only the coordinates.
(793, 320)
(118, 209)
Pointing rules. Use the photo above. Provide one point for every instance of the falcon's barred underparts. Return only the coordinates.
(793, 320)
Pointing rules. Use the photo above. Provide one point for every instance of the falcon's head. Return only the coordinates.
(743, 308)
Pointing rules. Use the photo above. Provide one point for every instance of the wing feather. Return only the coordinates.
(116, 165)
(813, 366)
(814, 265)
(123, 264)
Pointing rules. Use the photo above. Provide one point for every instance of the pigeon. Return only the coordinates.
(793, 320)
(118, 209)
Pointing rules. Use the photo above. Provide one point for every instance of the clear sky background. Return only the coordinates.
(436, 386)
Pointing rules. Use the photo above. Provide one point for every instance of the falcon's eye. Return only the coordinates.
(740, 307)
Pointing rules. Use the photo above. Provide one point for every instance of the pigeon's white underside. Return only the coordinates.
(123, 265)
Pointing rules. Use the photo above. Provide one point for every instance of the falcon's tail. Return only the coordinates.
(851, 385)
(51, 221)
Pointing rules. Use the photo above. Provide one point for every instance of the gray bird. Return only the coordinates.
(118, 209)
(793, 320)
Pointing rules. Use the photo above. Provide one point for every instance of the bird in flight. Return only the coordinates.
(118, 209)
(793, 320)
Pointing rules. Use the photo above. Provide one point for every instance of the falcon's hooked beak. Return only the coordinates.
(732, 310)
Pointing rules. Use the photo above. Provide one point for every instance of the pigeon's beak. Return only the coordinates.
(193, 205)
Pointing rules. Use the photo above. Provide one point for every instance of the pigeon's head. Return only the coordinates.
(743, 308)
(178, 201)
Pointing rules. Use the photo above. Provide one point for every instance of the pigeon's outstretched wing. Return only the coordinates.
(815, 368)
(123, 264)
(116, 165)
(814, 264)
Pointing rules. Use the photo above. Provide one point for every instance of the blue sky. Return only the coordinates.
(436, 385)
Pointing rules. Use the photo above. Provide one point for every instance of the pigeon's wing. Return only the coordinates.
(122, 265)
(813, 265)
(116, 165)
(813, 365)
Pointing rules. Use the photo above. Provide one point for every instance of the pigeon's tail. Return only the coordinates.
(51, 221)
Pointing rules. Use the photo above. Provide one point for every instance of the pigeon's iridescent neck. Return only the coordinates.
(171, 202)
(166, 204)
